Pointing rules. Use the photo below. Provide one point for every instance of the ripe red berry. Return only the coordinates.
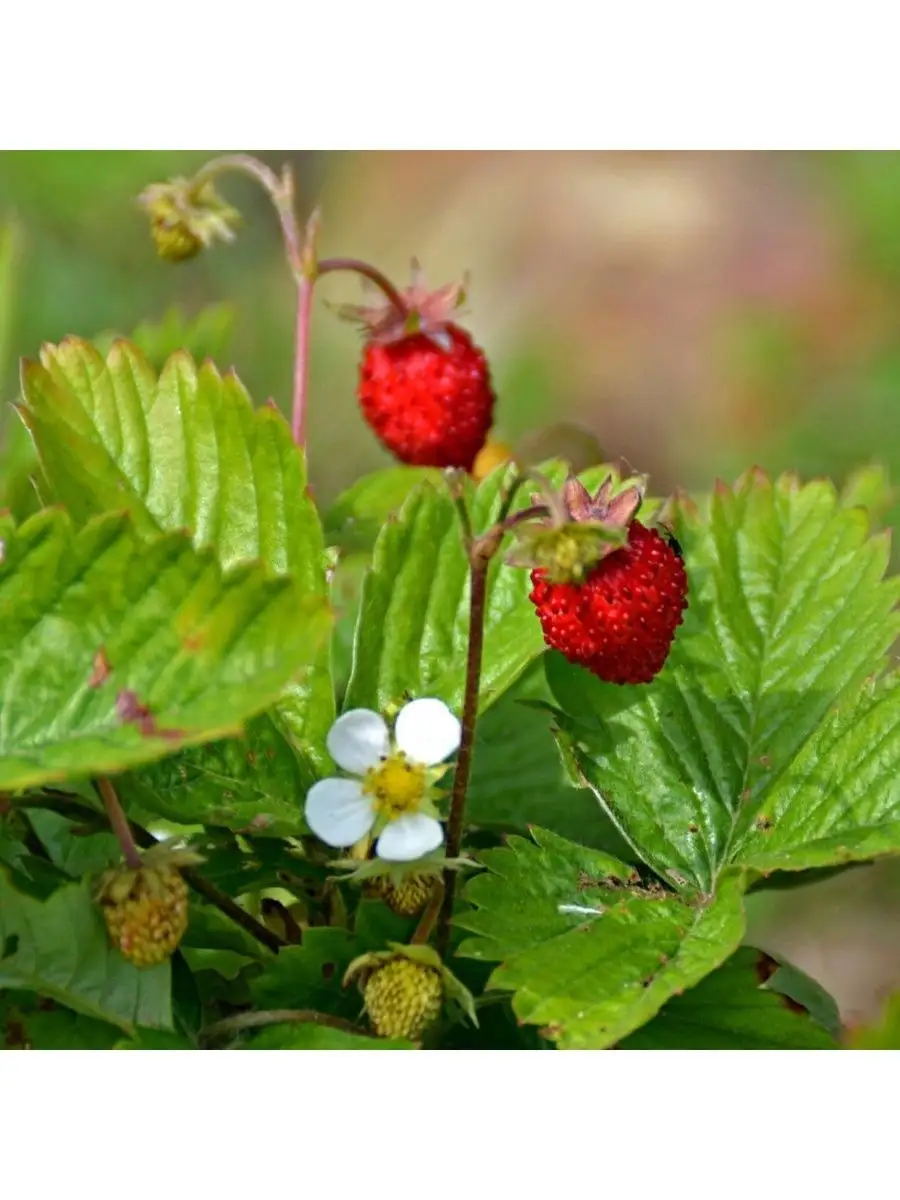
(620, 622)
(429, 401)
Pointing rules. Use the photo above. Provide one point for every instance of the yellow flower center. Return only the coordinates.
(397, 784)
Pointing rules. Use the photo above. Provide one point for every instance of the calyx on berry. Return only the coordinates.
(187, 216)
(579, 531)
(425, 312)
(404, 989)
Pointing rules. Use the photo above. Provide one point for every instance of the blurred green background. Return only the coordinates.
(693, 313)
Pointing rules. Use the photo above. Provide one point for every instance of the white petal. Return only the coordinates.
(358, 740)
(427, 731)
(410, 836)
(338, 812)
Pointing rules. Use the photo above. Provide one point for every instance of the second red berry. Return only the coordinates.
(621, 621)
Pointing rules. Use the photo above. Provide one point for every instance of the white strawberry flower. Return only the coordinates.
(391, 792)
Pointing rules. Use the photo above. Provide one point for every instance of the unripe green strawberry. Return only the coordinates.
(145, 910)
(402, 998)
(405, 898)
(175, 242)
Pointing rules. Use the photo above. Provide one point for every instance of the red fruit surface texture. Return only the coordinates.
(429, 406)
(621, 621)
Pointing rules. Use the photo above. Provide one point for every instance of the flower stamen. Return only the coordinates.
(397, 785)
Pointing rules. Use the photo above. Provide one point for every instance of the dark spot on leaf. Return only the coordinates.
(645, 983)
(251, 757)
(693, 828)
(192, 643)
(763, 823)
(327, 971)
(270, 751)
(766, 966)
(101, 670)
(765, 761)
(132, 712)
(10, 946)
(745, 796)
(552, 1032)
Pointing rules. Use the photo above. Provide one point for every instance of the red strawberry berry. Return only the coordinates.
(620, 622)
(430, 406)
(424, 387)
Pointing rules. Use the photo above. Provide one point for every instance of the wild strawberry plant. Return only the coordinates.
(473, 759)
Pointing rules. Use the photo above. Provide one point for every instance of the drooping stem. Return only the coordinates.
(280, 190)
(328, 265)
(480, 557)
(277, 1016)
(119, 823)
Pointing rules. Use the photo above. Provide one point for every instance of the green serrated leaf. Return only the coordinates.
(186, 450)
(210, 929)
(207, 335)
(739, 1006)
(117, 651)
(309, 976)
(356, 517)
(308, 1036)
(70, 849)
(518, 779)
(252, 784)
(59, 948)
(412, 629)
(589, 954)
(45, 1026)
(743, 750)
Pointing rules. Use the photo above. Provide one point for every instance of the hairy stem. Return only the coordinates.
(277, 1016)
(328, 265)
(119, 823)
(280, 190)
(480, 557)
(301, 359)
